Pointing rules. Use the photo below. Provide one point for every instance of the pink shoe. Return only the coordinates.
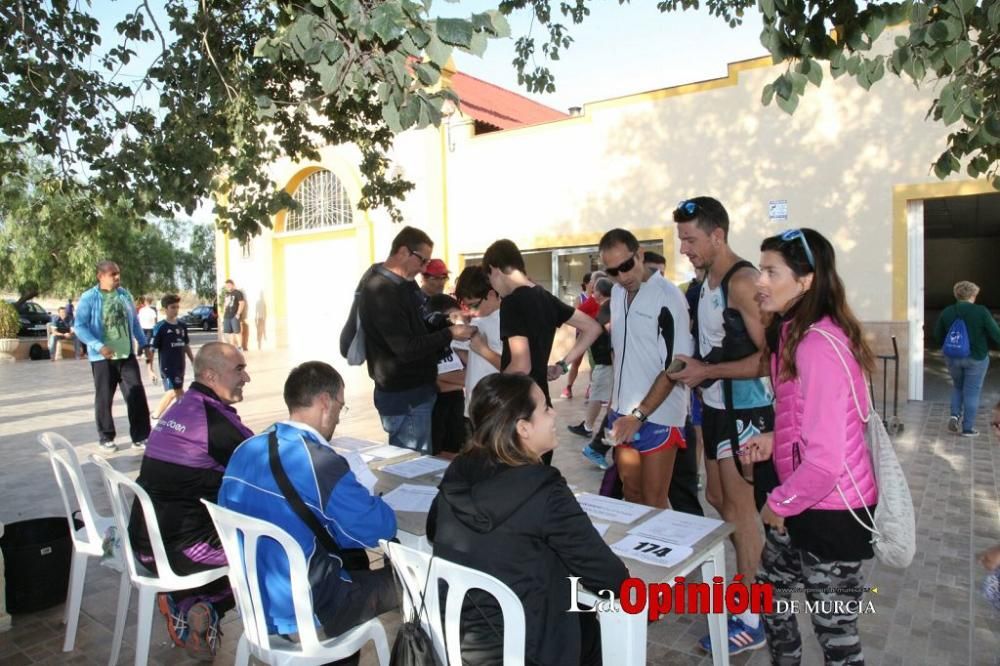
(568, 393)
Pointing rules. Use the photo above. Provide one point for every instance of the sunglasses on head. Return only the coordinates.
(791, 235)
(686, 210)
(623, 267)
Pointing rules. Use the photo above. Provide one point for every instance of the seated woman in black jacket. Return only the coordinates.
(503, 512)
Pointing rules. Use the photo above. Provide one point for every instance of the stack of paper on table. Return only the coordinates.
(603, 508)
(384, 452)
(411, 497)
(352, 444)
(666, 538)
(411, 469)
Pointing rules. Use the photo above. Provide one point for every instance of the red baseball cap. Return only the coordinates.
(436, 268)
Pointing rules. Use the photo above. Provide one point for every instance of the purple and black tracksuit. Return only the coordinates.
(184, 461)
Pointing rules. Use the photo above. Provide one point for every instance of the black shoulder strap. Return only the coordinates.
(742, 263)
(298, 506)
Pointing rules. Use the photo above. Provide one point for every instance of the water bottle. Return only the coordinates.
(608, 441)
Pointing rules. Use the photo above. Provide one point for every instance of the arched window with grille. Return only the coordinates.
(324, 202)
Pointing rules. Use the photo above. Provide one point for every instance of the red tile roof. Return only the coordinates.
(499, 107)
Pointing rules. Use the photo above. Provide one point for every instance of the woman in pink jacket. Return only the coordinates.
(815, 518)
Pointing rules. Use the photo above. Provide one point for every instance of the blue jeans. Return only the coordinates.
(411, 429)
(967, 376)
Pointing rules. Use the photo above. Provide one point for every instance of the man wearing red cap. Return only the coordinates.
(435, 276)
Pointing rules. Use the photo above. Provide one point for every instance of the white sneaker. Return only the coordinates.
(109, 445)
(139, 445)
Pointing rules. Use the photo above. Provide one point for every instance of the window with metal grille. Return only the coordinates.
(324, 204)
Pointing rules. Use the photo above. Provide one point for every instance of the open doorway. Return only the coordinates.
(961, 238)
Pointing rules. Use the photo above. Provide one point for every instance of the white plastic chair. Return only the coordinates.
(88, 540)
(240, 535)
(148, 583)
(411, 566)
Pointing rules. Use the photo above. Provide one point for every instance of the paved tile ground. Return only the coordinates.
(931, 613)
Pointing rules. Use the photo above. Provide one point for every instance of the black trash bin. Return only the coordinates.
(37, 554)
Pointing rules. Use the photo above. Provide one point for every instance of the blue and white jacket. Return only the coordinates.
(353, 516)
(88, 321)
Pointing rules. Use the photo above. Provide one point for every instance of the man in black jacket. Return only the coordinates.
(401, 352)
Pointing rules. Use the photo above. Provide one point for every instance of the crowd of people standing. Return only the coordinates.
(762, 366)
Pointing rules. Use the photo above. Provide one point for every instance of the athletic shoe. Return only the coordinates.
(953, 423)
(109, 445)
(140, 444)
(594, 457)
(741, 637)
(177, 626)
(203, 634)
(970, 433)
(581, 430)
(568, 393)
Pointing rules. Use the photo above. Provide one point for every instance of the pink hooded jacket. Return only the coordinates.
(817, 429)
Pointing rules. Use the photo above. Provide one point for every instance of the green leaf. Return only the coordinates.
(812, 70)
(457, 32)
(958, 54)
(767, 95)
(313, 54)
(876, 69)
(992, 126)
(333, 51)
(767, 8)
(789, 105)
(263, 102)
(426, 74)
(419, 37)
(853, 64)
(387, 21)
(783, 87)
(438, 51)
(409, 112)
(942, 168)
(501, 28)
(967, 6)
(391, 116)
(478, 44)
(838, 65)
(798, 82)
(993, 16)
(874, 27)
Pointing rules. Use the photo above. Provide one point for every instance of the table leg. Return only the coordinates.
(715, 565)
(623, 635)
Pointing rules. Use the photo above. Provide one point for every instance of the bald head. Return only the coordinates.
(221, 367)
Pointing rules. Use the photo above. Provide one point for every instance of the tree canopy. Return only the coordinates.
(53, 232)
(236, 84)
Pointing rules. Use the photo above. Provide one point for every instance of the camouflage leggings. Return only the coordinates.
(788, 568)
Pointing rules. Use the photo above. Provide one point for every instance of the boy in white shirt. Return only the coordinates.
(473, 291)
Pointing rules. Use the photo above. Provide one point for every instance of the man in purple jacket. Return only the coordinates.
(185, 458)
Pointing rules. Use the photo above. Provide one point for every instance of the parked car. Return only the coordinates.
(204, 317)
(33, 318)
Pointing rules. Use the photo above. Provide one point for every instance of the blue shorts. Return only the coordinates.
(172, 379)
(653, 437)
(231, 326)
(695, 409)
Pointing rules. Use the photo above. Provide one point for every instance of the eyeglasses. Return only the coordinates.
(428, 276)
(791, 235)
(423, 260)
(685, 211)
(343, 405)
(623, 267)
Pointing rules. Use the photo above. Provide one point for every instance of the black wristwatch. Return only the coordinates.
(637, 413)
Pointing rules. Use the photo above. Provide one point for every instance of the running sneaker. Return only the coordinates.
(594, 457)
(953, 423)
(177, 626)
(203, 632)
(109, 445)
(581, 430)
(141, 444)
(741, 637)
(970, 433)
(568, 393)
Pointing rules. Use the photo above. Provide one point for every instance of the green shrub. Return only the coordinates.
(10, 323)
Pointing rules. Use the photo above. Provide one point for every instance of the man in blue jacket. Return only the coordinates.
(105, 321)
(344, 592)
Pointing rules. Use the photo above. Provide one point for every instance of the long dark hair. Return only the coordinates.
(825, 298)
(498, 402)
